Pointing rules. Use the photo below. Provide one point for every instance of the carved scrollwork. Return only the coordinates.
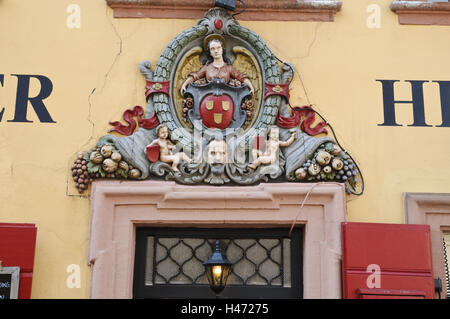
(238, 116)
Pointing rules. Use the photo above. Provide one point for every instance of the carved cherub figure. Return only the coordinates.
(163, 147)
(269, 156)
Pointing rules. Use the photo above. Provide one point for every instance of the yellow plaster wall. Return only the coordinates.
(95, 75)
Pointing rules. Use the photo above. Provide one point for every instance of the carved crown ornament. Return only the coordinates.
(218, 113)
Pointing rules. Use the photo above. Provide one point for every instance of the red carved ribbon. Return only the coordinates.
(156, 87)
(128, 117)
(305, 126)
(277, 89)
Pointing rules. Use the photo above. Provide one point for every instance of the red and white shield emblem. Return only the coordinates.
(217, 111)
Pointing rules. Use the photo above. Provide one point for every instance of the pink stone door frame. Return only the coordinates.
(431, 209)
(117, 208)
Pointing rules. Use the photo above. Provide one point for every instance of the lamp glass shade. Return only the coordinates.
(217, 270)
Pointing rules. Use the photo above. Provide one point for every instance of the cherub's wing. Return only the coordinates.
(189, 63)
(246, 63)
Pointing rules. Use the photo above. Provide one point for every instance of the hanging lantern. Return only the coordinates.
(227, 4)
(217, 270)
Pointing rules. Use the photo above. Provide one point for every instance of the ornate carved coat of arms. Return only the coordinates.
(218, 112)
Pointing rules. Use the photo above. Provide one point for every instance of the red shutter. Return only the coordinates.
(386, 261)
(17, 246)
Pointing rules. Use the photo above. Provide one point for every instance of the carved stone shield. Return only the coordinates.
(152, 153)
(217, 105)
(217, 111)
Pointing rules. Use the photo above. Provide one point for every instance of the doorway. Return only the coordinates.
(267, 263)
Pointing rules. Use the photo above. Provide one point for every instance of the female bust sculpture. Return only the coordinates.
(217, 66)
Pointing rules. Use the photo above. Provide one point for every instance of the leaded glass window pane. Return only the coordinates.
(266, 263)
(255, 261)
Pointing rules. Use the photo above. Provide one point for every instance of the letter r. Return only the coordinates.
(22, 98)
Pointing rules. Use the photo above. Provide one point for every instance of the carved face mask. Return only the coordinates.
(217, 152)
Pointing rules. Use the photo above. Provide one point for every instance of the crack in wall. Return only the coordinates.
(105, 77)
(120, 47)
(296, 72)
(308, 53)
(90, 115)
(312, 42)
(90, 105)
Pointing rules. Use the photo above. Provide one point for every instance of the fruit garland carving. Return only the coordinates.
(101, 162)
(328, 163)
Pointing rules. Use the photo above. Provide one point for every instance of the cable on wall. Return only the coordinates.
(242, 11)
(332, 130)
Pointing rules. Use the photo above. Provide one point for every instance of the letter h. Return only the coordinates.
(389, 103)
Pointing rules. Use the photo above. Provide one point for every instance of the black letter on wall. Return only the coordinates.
(444, 87)
(389, 103)
(22, 98)
(3, 109)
